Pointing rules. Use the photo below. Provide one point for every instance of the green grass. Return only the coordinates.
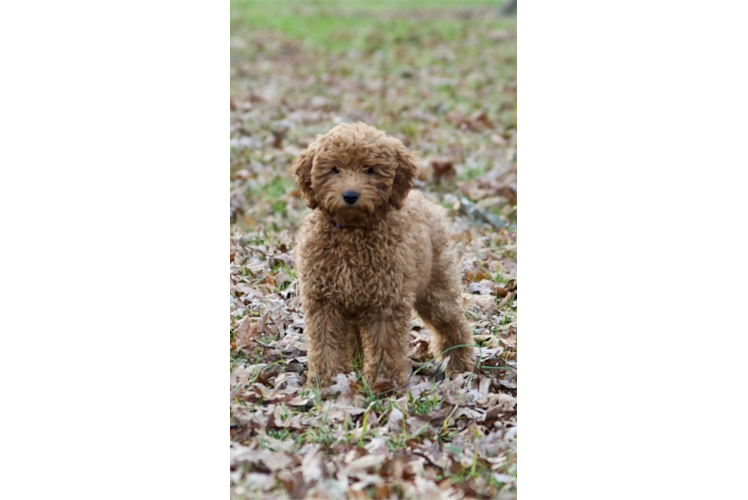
(423, 405)
(473, 172)
(341, 25)
(276, 188)
(478, 468)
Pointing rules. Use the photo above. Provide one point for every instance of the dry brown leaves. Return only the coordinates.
(450, 439)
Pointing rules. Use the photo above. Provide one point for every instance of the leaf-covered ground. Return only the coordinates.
(442, 78)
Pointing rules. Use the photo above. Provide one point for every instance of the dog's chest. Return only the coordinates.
(356, 273)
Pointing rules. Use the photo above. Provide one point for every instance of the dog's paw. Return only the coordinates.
(461, 361)
(441, 369)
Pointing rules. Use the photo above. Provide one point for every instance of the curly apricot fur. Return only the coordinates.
(364, 267)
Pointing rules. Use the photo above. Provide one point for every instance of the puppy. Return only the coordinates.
(369, 253)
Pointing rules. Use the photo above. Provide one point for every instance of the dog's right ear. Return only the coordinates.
(407, 170)
(302, 170)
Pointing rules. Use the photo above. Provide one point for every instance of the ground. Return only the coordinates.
(441, 76)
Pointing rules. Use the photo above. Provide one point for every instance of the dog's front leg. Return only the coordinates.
(330, 337)
(385, 342)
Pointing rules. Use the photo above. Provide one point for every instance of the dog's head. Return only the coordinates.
(354, 171)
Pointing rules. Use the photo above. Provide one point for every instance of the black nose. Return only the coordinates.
(350, 197)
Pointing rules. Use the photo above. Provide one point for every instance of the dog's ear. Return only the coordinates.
(407, 169)
(302, 170)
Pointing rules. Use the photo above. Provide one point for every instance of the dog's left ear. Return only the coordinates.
(302, 170)
(407, 170)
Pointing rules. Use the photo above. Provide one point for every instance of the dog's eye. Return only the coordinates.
(335, 170)
(368, 170)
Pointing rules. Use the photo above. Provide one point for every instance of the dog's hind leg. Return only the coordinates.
(441, 310)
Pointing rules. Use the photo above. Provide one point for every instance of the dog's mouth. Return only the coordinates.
(349, 215)
(350, 209)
